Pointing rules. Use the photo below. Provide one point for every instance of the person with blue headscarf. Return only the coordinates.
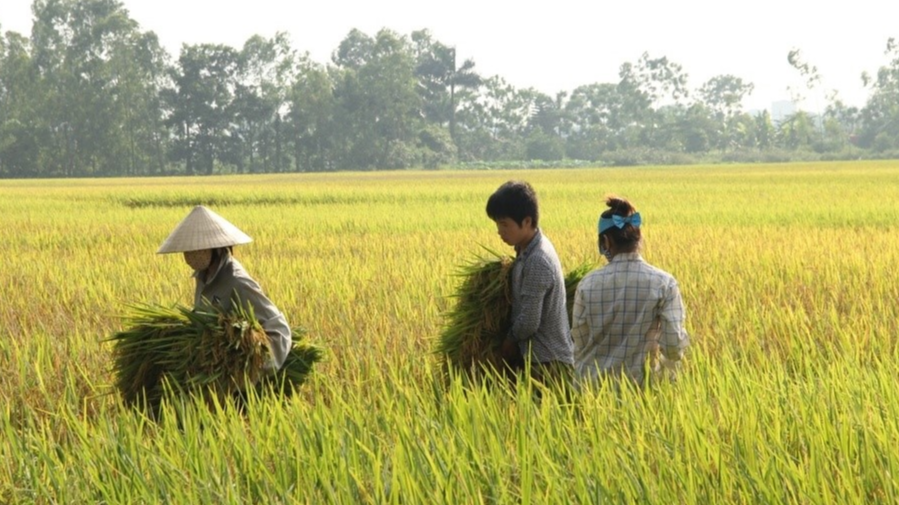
(628, 316)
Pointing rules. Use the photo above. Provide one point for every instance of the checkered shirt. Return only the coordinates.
(539, 316)
(621, 312)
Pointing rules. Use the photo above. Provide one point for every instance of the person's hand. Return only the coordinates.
(509, 349)
(668, 367)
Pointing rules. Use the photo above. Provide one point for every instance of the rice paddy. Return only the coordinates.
(788, 393)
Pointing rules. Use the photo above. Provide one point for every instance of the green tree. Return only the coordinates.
(496, 121)
(646, 87)
(354, 51)
(92, 65)
(596, 114)
(266, 68)
(880, 116)
(20, 126)
(310, 119)
(378, 101)
(764, 131)
(700, 130)
(798, 131)
(200, 102)
(441, 79)
(723, 95)
(139, 69)
(658, 81)
(808, 73)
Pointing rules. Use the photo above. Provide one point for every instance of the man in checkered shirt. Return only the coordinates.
(540, 333)
(628, 316)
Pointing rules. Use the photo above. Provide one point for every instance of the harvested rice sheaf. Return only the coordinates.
(572, 279)
(476, 325)
(296, 368)
(206, 351)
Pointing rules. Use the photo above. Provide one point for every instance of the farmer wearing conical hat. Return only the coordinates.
(206, 239)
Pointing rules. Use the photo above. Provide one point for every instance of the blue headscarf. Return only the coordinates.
(619, 221)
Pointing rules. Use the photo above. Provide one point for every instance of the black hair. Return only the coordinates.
(626, 239)
(515, 200)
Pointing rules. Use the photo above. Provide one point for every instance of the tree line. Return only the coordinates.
(91, 94)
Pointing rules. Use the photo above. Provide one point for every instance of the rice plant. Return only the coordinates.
(205, 351)
(480, 318)
(787, 396)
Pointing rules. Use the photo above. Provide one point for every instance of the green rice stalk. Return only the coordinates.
(572, 279)
(208, 352)
(297, 366)
(476, 325)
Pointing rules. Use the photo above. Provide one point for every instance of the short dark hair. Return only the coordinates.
(515, 200)
(626, 239)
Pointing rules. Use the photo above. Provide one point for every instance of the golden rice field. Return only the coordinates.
(789, 394)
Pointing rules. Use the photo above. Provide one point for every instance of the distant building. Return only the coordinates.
(781, 109)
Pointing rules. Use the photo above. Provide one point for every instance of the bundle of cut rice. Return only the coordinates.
(206, 351)
(572, 279)
(476, 325)
(296, 368)
(479, 320)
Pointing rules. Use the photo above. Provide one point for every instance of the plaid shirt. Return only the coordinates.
(219, 289)
(622, 312)
(539, 318)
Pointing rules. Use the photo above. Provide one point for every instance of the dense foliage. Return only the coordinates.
(90, 93)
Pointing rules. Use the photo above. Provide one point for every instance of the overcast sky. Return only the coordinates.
(561, 44)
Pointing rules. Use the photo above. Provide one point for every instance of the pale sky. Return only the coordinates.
(559, 45)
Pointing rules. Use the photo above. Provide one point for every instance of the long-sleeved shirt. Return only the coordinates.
(622, 312)
(219, 288)
(539, 317)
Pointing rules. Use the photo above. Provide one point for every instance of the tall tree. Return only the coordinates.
(808, 74)
(659, 81)
(266, 68)
(138, 68)
(311, 120)
(496, 121)
(441, 79)
(880, 116)
(20, 126)
(646, 87)
(723, 95)
(201, 111)
(594, 115)
(96, 73)
(378, 101)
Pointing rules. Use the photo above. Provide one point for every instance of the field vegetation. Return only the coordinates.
(788, 394)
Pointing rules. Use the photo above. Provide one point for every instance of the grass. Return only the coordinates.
(788, 395)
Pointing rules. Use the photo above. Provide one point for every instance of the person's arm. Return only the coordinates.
(536, 282)
(673, 339)
(273, 321)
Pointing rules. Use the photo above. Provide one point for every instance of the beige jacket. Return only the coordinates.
(219, 289)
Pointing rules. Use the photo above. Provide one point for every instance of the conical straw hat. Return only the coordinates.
(203, 229)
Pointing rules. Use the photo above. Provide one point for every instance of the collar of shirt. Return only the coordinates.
(631, 256)
(519, 254)
(226, 257)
